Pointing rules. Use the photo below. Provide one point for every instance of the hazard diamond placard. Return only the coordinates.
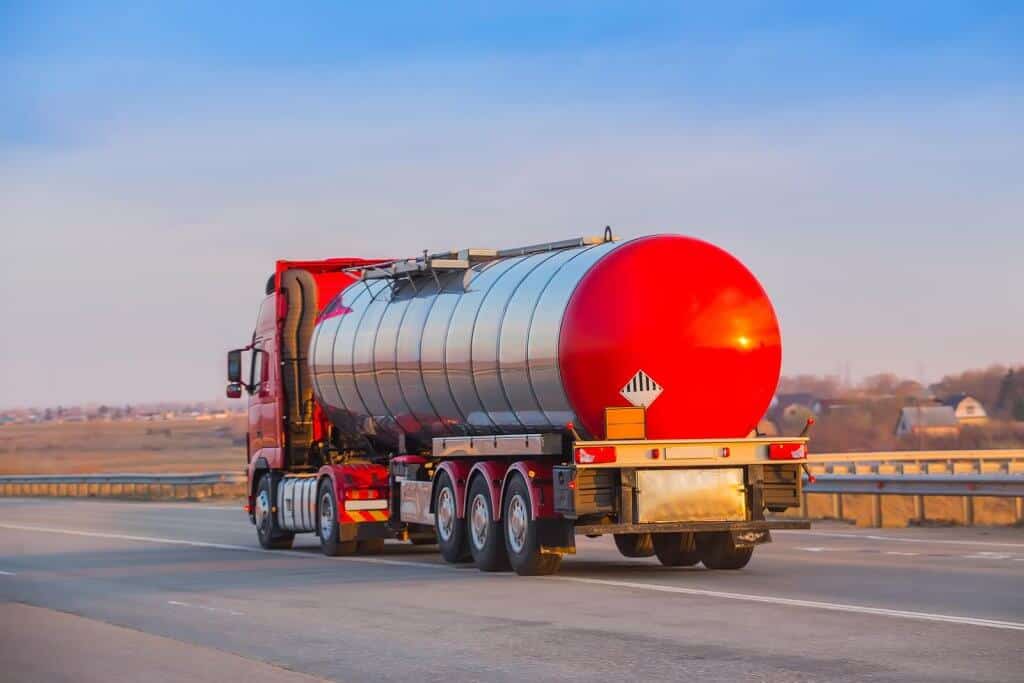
(641, 390)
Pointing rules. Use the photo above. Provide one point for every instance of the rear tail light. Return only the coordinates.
(787, 451)
(594, 455)
(362, 494)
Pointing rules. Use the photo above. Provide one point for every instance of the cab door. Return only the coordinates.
(264, 399)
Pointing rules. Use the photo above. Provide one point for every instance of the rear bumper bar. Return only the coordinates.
(695, 527)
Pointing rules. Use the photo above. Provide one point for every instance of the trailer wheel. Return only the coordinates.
(676, 549)
(330, 541)
(521, 540)
(486, 538)
(451, 531)
(635, 545)
(270, 535)
(717, 551)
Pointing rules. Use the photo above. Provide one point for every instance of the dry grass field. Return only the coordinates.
(184, 445)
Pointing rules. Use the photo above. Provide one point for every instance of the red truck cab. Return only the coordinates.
(287, 432)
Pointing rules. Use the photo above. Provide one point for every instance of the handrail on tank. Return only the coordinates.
(463, 259)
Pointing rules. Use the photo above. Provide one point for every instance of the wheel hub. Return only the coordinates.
(517, 523)
(479, 521)
(445, 513)
(263, 512)
(326, 516)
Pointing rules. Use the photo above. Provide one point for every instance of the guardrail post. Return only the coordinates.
(968, 510)
(876, 511)
(919, 508)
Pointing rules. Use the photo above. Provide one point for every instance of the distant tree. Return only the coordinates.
(1018, 410)
(889, 384)
(986, 385)
(820, 387)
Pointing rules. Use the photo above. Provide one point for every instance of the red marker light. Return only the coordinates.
(594, 455)
(787, 451)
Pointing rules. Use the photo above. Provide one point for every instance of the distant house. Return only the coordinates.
(968, 410)
(828, 406)
(767, 428)
(928, 420)
(791, 406)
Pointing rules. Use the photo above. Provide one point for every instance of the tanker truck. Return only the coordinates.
(499, 403)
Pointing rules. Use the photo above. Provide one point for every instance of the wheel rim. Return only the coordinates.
(479, 520)
(445, 513)
(263, 512)
(518, 521)
(326, 516)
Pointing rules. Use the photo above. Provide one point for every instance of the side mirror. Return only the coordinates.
(234, 390)
(235, 366)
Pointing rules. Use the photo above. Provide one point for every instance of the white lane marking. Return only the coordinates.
(218, 546)
(220, 610)
(816, 549)
(897, 539)
(768, 599)
(793, 602)
(901, 554)
(988, 556)
(7, 574)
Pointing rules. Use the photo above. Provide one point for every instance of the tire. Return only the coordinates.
(451, 531)
(521, 540)
(270, 535)
(635, 545)
(329, 531)
(717, 551)
(676, 549)
(486, 537)
(371, 546)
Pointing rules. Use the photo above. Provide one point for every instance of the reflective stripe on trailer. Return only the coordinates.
(348, 516)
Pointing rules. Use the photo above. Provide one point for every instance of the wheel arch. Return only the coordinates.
(458, 472)
(539, 486)
(493, 474)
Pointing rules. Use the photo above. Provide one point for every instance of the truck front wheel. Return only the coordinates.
(271, 537)
(330, 534)
(717, 551)
(451, 531)
(521, 542)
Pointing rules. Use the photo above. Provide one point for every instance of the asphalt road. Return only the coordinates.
(145, 591)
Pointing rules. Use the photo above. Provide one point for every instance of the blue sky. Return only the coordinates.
(863, 160)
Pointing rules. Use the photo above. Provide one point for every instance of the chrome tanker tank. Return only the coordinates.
(527, 340)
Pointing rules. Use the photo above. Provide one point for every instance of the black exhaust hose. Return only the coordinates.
(300, 292)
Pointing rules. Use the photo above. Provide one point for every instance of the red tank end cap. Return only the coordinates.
(683, 327)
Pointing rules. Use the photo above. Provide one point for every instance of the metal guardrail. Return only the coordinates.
(990, 461)
(998, 485)
(892, 456)
(966, 487)
(125, 478)
(125, 485)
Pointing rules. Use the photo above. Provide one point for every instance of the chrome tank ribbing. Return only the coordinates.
(468, 352)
